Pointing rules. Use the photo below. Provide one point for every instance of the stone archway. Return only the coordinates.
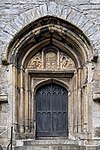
(51, 38)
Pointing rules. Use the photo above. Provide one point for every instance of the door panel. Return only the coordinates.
(52, 111)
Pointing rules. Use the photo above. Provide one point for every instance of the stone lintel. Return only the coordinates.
(68, 73)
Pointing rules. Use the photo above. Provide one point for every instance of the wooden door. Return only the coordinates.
(52, 111)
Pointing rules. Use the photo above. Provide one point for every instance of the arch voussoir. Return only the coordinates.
(65, 12)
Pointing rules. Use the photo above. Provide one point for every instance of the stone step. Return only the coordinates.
(50, 142)
(50, 147)
(56, 147)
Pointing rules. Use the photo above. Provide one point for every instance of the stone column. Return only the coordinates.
(85, 100)
(42, 59)
(82, 101)
(70, 113)
(90, 98)
(75, 103)
(72, 105)
(21, 105)
(30, 103)
(26, 103)
(31, 106)
(15, 99)
(58, 60)
(79, 99)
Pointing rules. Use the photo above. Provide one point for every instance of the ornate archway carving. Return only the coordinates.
(50, 48)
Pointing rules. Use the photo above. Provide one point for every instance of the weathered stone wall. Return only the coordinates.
(16, 14)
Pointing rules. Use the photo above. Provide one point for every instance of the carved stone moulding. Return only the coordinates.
(54, 49)
(49, 30)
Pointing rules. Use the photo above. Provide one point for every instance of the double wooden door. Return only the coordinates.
(52, 111)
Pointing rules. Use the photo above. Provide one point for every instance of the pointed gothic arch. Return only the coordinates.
(70, 50)
(49, 81)
(45, 30)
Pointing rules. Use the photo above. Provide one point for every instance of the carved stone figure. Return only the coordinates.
(51, 60)
(35, 63)
(66, 63)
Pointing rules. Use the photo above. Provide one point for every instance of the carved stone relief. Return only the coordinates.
(35, 62)
(51, 61)
(66, 62)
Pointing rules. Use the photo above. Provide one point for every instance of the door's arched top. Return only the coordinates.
(50, 81)
(56, 87)
(49, 30)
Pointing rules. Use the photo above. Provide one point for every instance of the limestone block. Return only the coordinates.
(96, 96)
(97, 132)
(3, 98)
(9, 11)
(96, 90)
(5, 37)
(97, 114)
(11, 30)
(91, 148)
(95, 1)
(3, 119)
(96, 106)
(53, 8)
(96, 121)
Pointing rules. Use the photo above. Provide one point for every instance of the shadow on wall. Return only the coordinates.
(1, 147)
